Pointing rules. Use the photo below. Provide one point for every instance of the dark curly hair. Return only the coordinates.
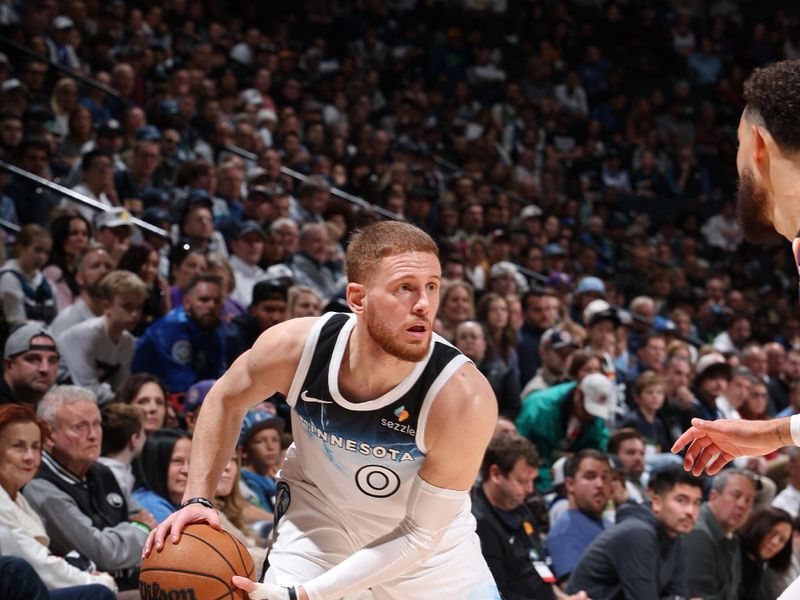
(773, 95)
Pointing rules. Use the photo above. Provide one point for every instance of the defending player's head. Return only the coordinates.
(394, 279)
(769, 145)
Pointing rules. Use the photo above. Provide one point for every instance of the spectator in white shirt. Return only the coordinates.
(789, 498)
(247, 247)
(97, 168)
(572, 96)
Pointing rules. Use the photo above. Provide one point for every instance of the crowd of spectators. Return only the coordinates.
(575, 162)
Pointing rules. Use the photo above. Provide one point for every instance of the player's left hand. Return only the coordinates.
(713, 444)
(262, 591)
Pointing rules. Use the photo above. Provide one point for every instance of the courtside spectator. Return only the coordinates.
(510, 541)
(628, 446)
(22, 436)
(789, 497)
(587, 477)
(79, 499)
(644, 555)
(30, 365)
(715, 565)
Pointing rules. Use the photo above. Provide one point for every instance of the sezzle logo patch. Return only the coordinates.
(402, 414)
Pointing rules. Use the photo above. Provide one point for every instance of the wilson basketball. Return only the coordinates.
(199, 567)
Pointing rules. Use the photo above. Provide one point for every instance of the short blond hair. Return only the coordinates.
(122, 283)
(371, 244)
(646, 380)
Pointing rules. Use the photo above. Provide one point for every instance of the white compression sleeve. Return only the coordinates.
(429, 512)
(794, 429)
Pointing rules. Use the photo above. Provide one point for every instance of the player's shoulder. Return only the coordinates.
(467, 392)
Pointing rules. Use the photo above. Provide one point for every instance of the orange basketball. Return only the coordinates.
(198, 567)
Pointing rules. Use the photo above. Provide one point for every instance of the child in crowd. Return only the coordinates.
(649, 397)
(26, 293)
(101, 349)
(123, 440)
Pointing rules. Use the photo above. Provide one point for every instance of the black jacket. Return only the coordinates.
(240, 335)
(510, 546)
(7, 395)
(634, 560)
(504, 385)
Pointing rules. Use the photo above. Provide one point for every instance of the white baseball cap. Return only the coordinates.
(557, 470)
(599, 395)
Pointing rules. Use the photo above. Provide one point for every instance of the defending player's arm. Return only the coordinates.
(727, 439)
(256, 375)
(459, 427)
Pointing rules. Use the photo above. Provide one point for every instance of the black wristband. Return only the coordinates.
(201, 501)
(292, 593)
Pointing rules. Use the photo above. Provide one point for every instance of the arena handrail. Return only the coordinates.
(78, 197)
(63, 68)
(356, 200)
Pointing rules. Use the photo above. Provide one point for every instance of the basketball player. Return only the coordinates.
(768, 162)
(390, 425)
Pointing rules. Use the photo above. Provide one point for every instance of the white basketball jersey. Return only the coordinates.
(360, 457)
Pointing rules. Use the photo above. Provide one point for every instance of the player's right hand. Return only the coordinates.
(174, 524)
(262, 591)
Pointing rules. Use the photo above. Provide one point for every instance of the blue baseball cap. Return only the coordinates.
(196, 394)
(590, 284)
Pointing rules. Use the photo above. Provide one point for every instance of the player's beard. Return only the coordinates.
(388, 340)
(751, 210)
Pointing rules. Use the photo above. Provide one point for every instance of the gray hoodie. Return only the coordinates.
(634, 560)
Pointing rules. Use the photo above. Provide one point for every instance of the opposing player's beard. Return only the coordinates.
(751, 210)
(388, 340)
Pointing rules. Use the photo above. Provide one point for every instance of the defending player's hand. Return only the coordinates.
(174, 524)
(263, 591)
(727, 439)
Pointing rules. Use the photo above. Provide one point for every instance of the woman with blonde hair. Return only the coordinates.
(232, 506)
(477, 270)
(63, 101)
(456, 306)
(303, 301)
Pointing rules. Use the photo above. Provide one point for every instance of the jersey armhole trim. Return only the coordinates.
(305, 359)
(447, 372)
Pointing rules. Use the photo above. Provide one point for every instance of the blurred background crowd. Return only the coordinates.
(574, 160)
